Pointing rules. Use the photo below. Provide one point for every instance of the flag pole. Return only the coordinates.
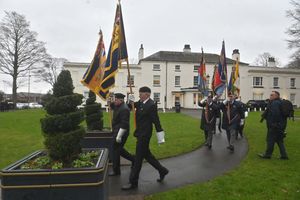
(129, 79)
(109, 111)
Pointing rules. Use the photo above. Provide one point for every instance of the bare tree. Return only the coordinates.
(263, 60)
(50, 70)
(19, 48)
(1, 95)
(294, 32)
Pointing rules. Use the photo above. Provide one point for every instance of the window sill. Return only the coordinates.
(257, 86)
(177, 86)
(276, 87)
(156, 85)
(156, 70)
(293, 88)
(129, 86)
(177, 70)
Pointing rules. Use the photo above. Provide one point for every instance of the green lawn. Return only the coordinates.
(255, 178)
(20, 134)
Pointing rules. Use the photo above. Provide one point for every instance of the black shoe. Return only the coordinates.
(162, 175)
(263, 156)
(231, 148)
(114, 174)
(129, 186)
(284, 158)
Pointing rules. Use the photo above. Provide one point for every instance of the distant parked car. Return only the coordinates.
(35, 105)
(257, 104)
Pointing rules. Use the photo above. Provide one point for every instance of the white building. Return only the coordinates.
(172, 77)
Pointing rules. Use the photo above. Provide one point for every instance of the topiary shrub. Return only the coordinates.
(93, 112)
(61, 125)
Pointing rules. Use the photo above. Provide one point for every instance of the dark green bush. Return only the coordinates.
(64, 147)
(94, 108)
(93, 112)
(63, 104)
(62, 123)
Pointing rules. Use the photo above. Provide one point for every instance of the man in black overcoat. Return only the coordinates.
(120, 129)
(145, 115)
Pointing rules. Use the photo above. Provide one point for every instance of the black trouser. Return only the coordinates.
(275, 136)
(119, 150)
(208, 137)
(143, 152)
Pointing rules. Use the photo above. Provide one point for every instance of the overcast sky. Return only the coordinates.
(70, 27)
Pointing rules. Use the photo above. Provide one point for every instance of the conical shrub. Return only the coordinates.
(93, 112)
(61, 125)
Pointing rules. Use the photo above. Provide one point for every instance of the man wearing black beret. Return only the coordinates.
(120, 126)
(146, 115)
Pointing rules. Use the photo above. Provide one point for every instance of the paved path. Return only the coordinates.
(194, 167)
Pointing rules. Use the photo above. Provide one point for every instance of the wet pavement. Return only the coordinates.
(198, 166)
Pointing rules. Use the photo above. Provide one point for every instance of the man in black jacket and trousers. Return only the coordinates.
(208, 118)
(233, 118)
(146, 115)
(120, 129)
(275, 127)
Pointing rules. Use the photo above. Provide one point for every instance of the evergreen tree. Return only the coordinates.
(94, 115)
(61, 125)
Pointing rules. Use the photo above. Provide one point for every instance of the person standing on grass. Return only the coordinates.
(275, 127)
(120, 129)
(208, 119)
(146, 115)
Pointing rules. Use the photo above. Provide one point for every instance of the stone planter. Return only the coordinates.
(63, 184)
(98, 139)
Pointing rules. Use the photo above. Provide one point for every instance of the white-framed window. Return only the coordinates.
(258, 96)
(195, 81)
(257, 81)
(156, 80)
(196, 67)
(131, 80)
(177, 68)
(156, 97)
(275, 82)
(177, 81)
(293, 98)
(293, 83)
(156, 67)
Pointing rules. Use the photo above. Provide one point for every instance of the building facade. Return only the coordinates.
(172, 77)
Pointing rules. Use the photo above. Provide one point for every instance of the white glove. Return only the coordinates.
(131, 97)
(120, 135)
(225, 101)
(215, 98)
(242, 122)
(160, 137)
(203, 100)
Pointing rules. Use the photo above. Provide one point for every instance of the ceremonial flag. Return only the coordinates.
(220, 76)
(202, 77)
(234, 82)
(93, 76)
(117, 52)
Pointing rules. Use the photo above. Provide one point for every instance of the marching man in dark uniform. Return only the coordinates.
(146, 115)
(233, 118)
(208, 119)
(120, 126)
(275, 127)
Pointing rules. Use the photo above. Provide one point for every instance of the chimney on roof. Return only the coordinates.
(271, 62)
(141, 52)
(236, 55)
(187, 48)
